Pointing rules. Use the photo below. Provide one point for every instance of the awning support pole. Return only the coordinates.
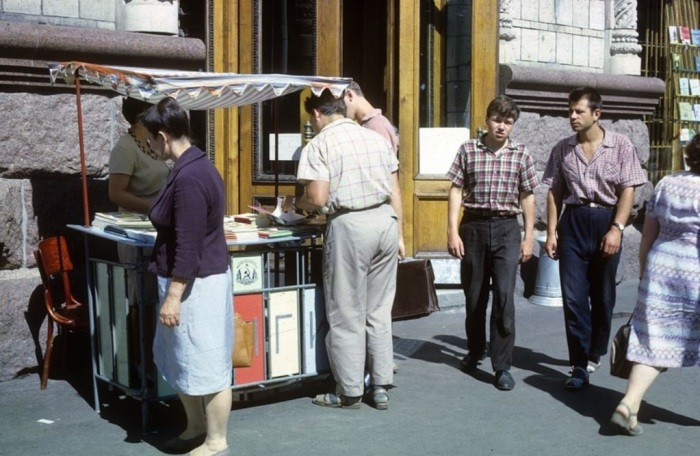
(83, 167)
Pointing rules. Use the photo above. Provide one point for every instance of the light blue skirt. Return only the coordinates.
(195, 357)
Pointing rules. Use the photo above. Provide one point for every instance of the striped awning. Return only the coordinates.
(192, 89)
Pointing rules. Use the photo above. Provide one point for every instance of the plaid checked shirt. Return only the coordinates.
(614, 166)
(356, 161)
(492, 182)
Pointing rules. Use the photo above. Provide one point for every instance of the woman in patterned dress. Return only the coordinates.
(666, 322)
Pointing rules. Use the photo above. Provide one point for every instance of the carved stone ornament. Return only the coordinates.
(624, 37)
(505, 20)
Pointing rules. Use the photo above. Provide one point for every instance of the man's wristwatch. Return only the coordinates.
(619, 226)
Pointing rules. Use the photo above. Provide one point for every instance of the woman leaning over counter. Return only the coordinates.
(194, 337)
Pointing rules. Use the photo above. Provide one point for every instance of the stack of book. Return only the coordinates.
(272, 233)
(121, 220)
(241, 227)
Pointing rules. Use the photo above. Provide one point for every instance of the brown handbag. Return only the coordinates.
(243, 342)
(415, 290)
(620, 366)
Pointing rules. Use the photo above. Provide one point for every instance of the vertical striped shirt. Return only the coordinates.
(613, 167)
(493, 180)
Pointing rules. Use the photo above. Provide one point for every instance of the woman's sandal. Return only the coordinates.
(623, 423)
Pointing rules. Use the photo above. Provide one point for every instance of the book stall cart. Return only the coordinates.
(272, 270)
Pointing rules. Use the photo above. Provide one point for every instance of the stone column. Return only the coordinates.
(148, 16)
(624, 46)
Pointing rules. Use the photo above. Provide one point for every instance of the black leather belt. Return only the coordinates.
(481, 216)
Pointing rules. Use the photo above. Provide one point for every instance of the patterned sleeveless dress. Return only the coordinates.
(666, 323)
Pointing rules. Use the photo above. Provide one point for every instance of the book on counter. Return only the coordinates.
(687, 134)
(673, 34)
(147, 236)
(694, 87)
(685, 111)
(695, 36)
(121, 219)
(267, 233)
(697, 62)
(696, 111)
(684, 86)
(684, 34)
(676, 59)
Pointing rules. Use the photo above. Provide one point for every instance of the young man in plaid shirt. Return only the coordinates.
(493, 179)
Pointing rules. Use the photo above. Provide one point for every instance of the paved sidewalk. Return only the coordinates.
(435, 409)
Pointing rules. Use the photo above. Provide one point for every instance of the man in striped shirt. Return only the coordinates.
(493, 179)
(593, 173)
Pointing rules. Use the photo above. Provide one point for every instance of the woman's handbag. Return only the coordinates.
(243, 342)
(619, 365)
(415, 290)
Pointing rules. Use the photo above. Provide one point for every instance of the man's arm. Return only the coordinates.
(315, 195)
(455, 246)
(612, 240)
(527, 203)
(396, 204)
(553, 210)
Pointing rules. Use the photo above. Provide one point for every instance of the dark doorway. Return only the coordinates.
(365, 49)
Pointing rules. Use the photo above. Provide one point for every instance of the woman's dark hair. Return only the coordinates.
(588, 93)
(167, 116)
(503, 106)
(692, 154)
(326, 104)
(133, 108)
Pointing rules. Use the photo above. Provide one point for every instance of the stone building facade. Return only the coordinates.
(547, 47)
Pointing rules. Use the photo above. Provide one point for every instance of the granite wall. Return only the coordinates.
(40, 193)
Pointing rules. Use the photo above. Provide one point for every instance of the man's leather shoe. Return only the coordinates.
(470, 363)
(504, 381)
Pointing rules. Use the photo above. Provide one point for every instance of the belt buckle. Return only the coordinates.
(595, 205)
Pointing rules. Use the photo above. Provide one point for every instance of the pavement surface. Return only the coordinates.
(435, 409)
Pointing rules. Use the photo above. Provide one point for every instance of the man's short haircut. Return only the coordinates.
(503, 106)
(692, 154)
(326, 104)
(586, 93)
(132, 109)
(355, 87)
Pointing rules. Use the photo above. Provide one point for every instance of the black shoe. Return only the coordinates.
(504, 381)
(578, 379)
(470, 363)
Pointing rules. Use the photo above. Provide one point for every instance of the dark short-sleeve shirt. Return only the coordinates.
(188, 215)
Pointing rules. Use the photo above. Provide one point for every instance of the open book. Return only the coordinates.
(280, 216)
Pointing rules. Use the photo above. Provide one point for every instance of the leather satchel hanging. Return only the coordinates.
(243, 342)
(415, 290)
(620, 366)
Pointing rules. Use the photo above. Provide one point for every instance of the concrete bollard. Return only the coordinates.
(547, 284)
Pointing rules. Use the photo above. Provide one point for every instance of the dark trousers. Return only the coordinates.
(491, 256)
(587, 281)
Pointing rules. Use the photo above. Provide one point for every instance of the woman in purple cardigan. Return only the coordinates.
(194, 337)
